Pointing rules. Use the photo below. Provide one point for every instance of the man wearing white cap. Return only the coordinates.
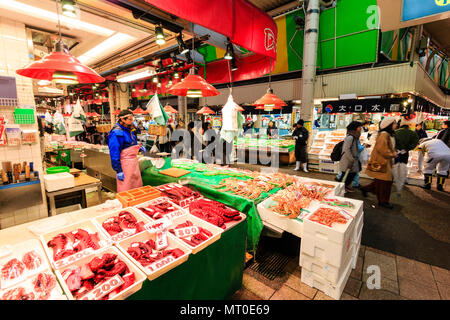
(437, 157)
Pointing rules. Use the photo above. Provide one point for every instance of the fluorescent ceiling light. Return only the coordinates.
(105, 47)
(35, 12)
(136, 74)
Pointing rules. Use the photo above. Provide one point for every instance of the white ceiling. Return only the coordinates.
(90, 30)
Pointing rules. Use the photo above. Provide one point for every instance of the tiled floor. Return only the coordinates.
(401, 279)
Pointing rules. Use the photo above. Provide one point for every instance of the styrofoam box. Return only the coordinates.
(176, 208)
(328, 168)
(17, 251)
(58, 181)
(173, 242)
(216, 231)
(136, 286)
(356, 245)
(140, 217)
(333, 290)
(86, 225)
(183, 203)
(293, 226)
(327, 271)
(356, 238)
(357, 209)
(338, 189)
(338, 232)
(229, 224)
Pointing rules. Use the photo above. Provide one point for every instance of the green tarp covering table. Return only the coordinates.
(204, 184)
(214, 273)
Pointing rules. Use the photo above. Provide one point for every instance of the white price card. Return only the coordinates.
(75, 257)
(161, 224)
(161, 240)
(161, 263)
(103, 288)
(172, 215)
(122, 235)
(186, 202)
(186, 232)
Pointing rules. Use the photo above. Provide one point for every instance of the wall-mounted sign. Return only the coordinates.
(363, 105)
(415, 9)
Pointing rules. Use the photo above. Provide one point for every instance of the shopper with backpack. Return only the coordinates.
(350, 156)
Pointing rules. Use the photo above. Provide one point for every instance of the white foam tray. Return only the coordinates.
(186, 202)
(17, 251)
(216, 231)
(333, 290)
(58, 181)
(177, 210)
(357, 210)
(173, 242)
(136, 286)
(87, 225)
(140, 217)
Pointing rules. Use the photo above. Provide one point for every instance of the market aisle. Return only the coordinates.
(401, 279)
(417, 228)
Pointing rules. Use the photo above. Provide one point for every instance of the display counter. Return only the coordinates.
(283, 148)
(213, 273)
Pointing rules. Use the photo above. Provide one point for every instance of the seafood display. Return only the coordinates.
(250, 189)
(177, 193)
(125, 221)
(145, 252)
(328, 216)
(290, 202)
(41, 287)
(158, 208)
(338, 203)
(81, 280)
(214, 212)
(195, 239)
(15, 268)
(69, 243)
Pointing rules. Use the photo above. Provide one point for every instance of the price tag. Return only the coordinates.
(173, 215)
(103, 288)
(186, 232)
(161, 263)
(161, 240)
(186, 202)
(122, 235)
(161, 224)
(75, 257)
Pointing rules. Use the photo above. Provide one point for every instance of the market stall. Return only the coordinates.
(284, 149)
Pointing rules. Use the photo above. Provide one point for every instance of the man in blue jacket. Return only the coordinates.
(123, 150)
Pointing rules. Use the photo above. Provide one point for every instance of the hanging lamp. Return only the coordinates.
(60, 66)
(193, 86)
(205, 110)
(169, 109)
(269, 101)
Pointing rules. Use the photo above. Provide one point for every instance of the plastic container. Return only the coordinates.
(24, 116)
(333, 290)
(29, 287)
(26, 268)
(216, 231)
(136, 286)
(145, 236)
(127, 232)
(58, 181)
(86, 225)
(59, 169)
(137, 196)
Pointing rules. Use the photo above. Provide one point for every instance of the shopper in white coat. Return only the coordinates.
(437, 157)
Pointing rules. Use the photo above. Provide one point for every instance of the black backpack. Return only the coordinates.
(336, 154)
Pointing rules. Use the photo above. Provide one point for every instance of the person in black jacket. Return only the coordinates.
(272, 130)
(300, 136)
(444, 134)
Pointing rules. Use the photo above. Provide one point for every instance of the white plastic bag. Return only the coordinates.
(364, 157)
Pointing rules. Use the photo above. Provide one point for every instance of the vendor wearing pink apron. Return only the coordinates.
(123, 150)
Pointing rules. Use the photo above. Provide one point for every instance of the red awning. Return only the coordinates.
(242, 22)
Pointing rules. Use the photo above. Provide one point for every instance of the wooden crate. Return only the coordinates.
(136, 196)
(157, 130)
(104, 128)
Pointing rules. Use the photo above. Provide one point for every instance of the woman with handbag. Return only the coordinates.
(379, 165)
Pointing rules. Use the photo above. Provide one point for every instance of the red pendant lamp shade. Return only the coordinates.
(169, 109)
(270, 100)
(205, 110)
(64, 65)
(139, 111)
(193, 86)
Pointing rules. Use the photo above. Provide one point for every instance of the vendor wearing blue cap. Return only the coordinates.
(123, 150)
